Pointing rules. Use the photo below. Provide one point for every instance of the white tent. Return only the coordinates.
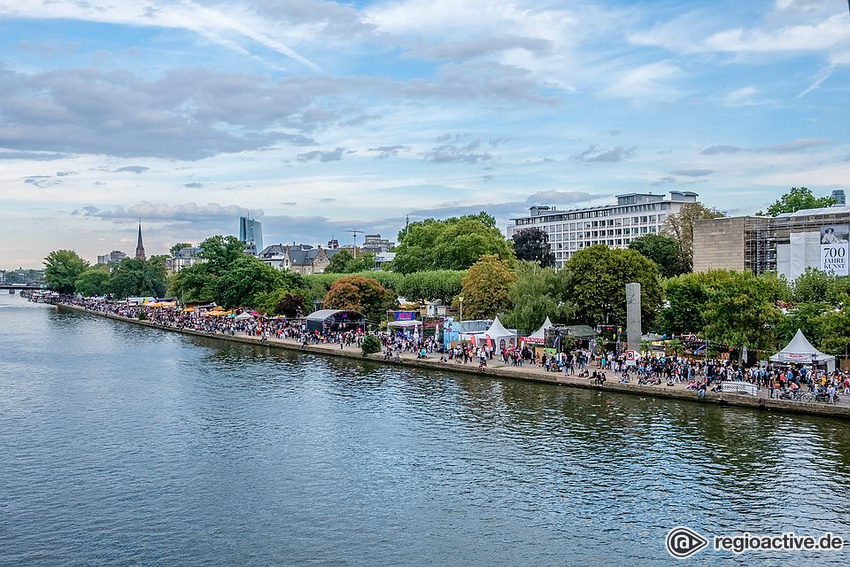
(500, 337)
(538, 337)
(801, 351)
(244, 315)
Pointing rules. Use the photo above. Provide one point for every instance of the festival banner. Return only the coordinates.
(834, 249)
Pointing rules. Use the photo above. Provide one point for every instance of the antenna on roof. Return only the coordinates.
(355, 232)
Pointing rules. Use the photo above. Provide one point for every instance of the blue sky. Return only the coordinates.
(320, 117)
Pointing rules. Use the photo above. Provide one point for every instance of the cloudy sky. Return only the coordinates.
(320, 117)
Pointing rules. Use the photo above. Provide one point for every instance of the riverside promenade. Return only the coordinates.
(529, 373)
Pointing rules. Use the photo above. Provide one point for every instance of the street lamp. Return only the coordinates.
(460, 300)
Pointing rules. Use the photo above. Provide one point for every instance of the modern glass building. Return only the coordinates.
(251, 234)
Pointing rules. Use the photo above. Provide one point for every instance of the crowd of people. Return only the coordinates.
(781, 382)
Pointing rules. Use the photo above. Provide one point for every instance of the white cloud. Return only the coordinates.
(227, 27)
(652, 81)
(823, 35)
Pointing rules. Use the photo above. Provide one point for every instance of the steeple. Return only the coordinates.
(140, 248)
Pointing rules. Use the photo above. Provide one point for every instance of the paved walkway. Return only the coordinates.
(533, 372)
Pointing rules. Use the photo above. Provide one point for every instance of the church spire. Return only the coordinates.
(140, 248)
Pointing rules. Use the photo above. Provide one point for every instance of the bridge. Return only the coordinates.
(14, 287)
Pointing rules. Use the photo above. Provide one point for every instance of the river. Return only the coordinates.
(121, 445)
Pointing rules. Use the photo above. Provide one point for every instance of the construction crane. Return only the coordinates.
(355, 232)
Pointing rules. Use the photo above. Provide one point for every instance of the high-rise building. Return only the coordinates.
(251, 234)
(140, 248)
(616, 225)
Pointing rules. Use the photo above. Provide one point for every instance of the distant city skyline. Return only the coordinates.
(319, 117)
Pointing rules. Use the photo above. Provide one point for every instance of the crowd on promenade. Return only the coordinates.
(782, 382)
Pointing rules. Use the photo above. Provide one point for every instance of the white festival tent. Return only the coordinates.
(538, 337)
(500, 337)
(801, 351)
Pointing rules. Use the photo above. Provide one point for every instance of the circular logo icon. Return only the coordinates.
(683, 542)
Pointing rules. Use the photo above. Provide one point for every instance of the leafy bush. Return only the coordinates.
(371, 344)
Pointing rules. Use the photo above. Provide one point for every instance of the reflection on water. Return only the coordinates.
(124, 444)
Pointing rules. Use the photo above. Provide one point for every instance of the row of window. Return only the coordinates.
(568, 236)
(612, 212)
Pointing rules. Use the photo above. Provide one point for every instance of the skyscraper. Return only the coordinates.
(140, 248)
(251, 234)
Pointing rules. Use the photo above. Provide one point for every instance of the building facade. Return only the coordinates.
(373, 243)
(184, 258)
(251, 235)
(634, 215)
(299, 258)
(787, 244)
(112, 258)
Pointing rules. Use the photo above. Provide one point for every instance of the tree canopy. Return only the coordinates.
(535, 295)
(178, 247)
(344, 262)
(197, 282)
(486, 288)
(133, 277)
(451, 244)
(734, 308)
(797, 199)
(243, 282)
(594, 285)
(361, 294)
(680, 227)
(437, 284)
(661, 249)
(532, 244)
(93, 282)
(61, 270)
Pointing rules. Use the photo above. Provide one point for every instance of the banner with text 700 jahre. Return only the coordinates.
(834, 249)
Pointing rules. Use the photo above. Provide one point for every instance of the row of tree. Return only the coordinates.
(66, 272)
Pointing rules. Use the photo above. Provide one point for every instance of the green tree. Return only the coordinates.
(243, 282)
(534, 296)
(220, 252)
(594, 285)
(198, 282)
(93, 282)
(803, 316)
(283, 301)
(532, 244)
(132, 277)
(361, 294)
(797, 199)
(178, 247)
(61, 270)
(661, 249)
(344, 262)
(740, 309)
(431, 285)
(686, 295)
(815, 286)
(371, 344)
(680, 227)
(452, 244)
(833, 327)
(486, 288)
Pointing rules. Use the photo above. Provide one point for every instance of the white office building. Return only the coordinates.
(634, 215)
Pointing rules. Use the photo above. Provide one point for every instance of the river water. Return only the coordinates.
(126, 445)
